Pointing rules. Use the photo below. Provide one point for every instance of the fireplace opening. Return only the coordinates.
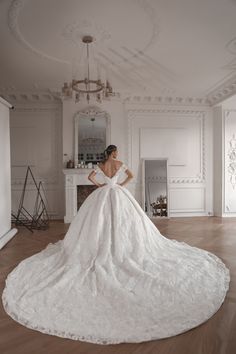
(83, 192)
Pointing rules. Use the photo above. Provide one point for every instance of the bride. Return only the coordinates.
(114, 278)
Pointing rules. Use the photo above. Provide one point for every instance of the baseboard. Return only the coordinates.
(229, 215)
(7, 237)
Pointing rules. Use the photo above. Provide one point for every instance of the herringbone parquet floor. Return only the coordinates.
(216, 336)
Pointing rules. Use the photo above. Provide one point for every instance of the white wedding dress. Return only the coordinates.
(114, 278)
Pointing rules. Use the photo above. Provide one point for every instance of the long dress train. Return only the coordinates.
(114, 278)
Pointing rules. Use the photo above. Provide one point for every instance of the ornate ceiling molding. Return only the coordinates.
(75, 31)
(150, 11)
(222, 92)
(30, 97)
(167, 100)
(13, 13)
(231, 46)
(50, 96)
(91, 111)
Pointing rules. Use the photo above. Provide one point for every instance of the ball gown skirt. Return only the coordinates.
(114, 278)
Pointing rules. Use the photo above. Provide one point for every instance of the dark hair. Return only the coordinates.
(107, 152)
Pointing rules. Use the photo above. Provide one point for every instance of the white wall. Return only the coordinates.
(44, 137)
(115, 110)
(183, 135)
(5, 176)
(36, 140)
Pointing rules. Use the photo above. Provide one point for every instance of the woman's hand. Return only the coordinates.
(102, 184)
(93, 180)
(129, 177)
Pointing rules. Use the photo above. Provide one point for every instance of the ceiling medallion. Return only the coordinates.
(87, 87)
(76, 30)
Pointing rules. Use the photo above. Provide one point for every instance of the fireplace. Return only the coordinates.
(83, 192)
(77, 189)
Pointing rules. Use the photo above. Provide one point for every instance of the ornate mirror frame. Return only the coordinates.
(86, 113)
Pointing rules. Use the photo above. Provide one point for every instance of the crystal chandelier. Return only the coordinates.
(92, 140)
(87, 87)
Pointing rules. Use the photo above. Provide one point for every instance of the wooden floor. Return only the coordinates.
(216, 336)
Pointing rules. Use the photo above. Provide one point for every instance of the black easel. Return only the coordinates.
(40, 218)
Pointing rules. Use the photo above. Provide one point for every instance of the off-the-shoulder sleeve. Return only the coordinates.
(124, 167)
(96, 169)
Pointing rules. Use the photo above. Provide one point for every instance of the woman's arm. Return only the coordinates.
(93, 180)
(128, 178)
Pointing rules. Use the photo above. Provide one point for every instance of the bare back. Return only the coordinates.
(110, 167)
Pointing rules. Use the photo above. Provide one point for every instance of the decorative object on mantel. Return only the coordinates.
(70, 164)
(87, 87)
(39, 219)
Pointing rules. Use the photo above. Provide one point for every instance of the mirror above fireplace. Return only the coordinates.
(92, 135)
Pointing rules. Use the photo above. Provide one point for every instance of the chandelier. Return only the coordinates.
(87, 87)
(91, 140)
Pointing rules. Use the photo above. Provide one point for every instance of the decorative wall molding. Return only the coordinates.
(180, 113)
(155, 179)
(229, 161)
(196, 193)
(51, 179)
(27, 117)
(232, 160)
(91, 111)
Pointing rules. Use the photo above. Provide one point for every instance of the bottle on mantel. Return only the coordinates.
(70, 164)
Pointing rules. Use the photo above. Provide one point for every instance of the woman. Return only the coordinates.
(110, 166)
(114, 278)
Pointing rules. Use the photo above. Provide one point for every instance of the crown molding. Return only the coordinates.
(30, 97)
(49, 96)
(222, 91)
(5, 102)
(166, 100)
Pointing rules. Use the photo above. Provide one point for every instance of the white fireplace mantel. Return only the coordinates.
(73, 178)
